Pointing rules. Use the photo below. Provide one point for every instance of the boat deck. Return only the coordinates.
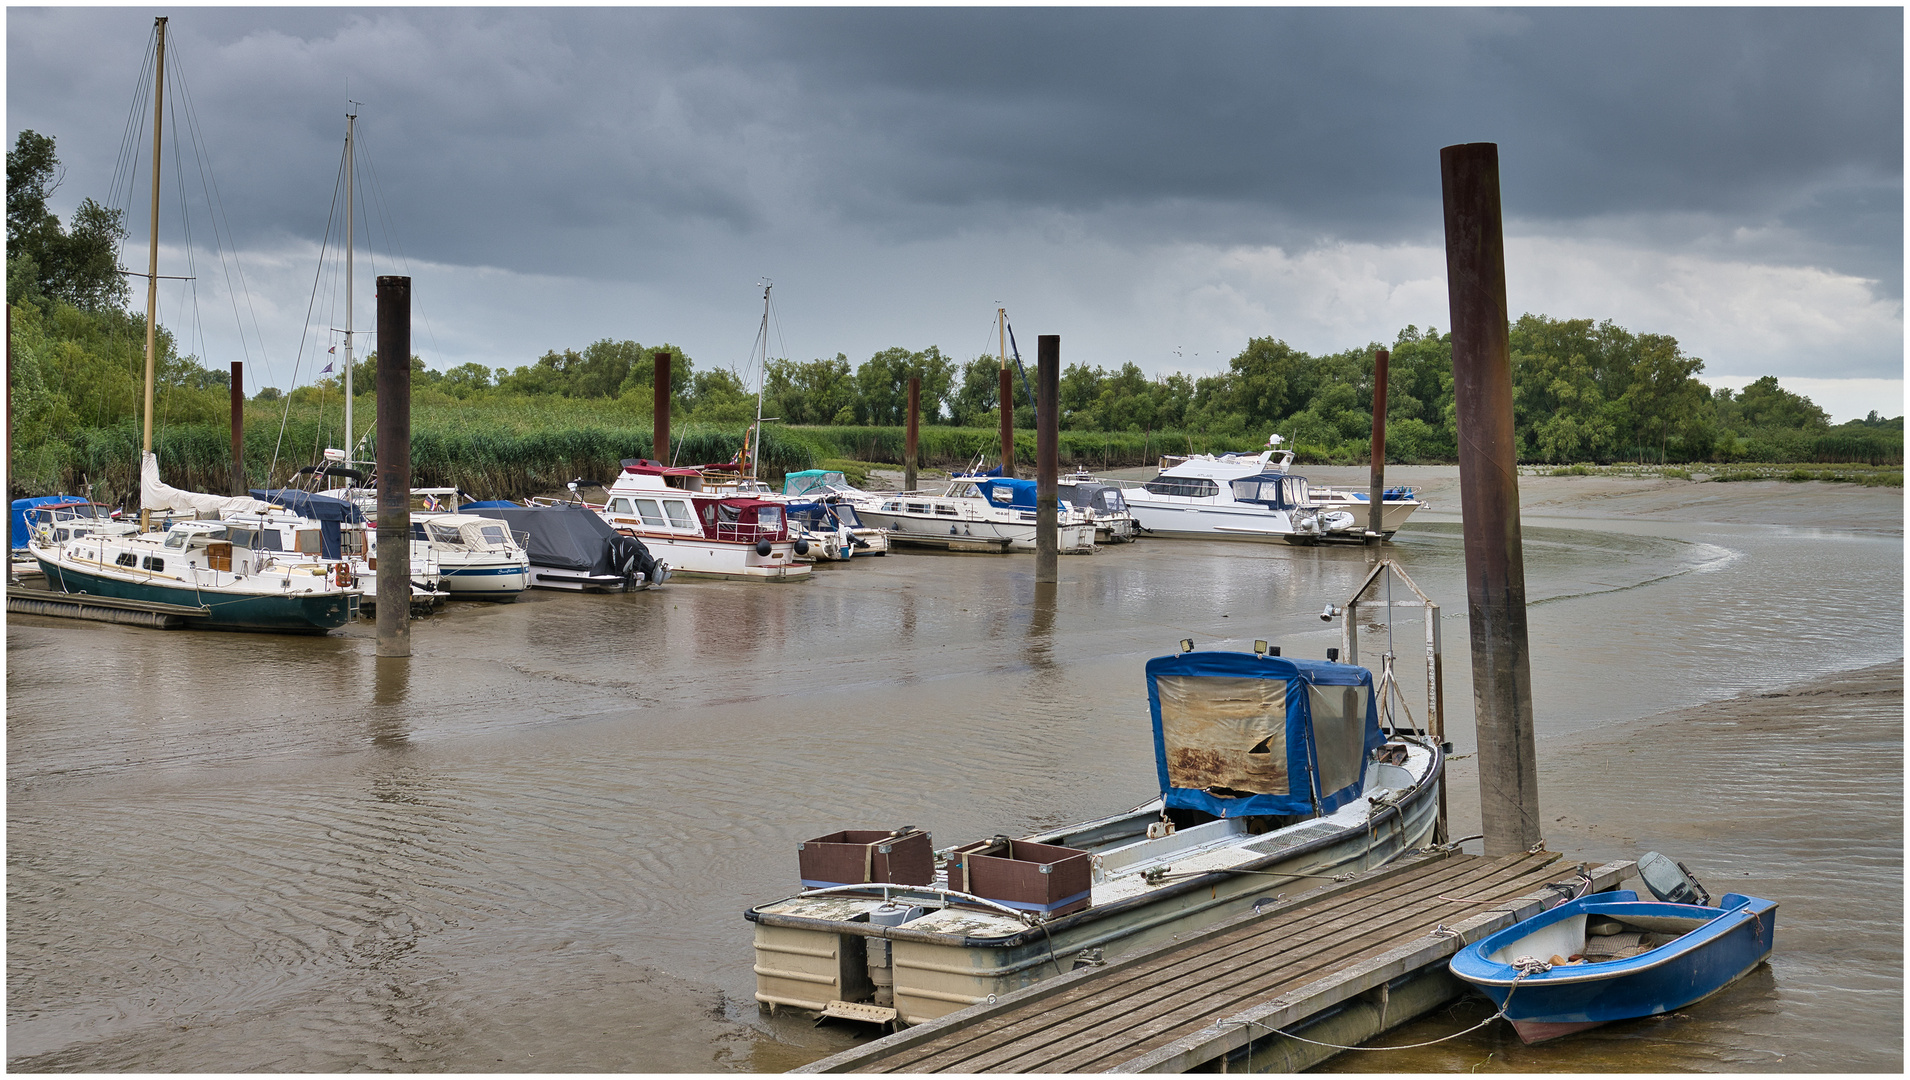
(1201, 998)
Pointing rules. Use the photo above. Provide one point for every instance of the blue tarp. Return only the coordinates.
(17, 532)
(1006, 492)
(1238, 734)
(329, 511)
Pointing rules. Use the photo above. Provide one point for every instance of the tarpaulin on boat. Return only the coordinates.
(1238, 734)
(563, 537)
(329, 511)
(1006, 491)
(17, 531)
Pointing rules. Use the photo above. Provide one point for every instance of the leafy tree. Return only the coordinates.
(815, 392)
(975, 401)
(718, 396)
(78, 266)
(1764, 404)
(883, 384)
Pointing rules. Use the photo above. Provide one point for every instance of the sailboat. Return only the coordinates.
(222, 571)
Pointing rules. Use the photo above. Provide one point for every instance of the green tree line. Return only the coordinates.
(1584, 391)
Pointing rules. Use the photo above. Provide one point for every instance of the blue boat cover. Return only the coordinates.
(17, 532)
(493, 504)
(329, 511)
(1003, 491)
(1238, 734)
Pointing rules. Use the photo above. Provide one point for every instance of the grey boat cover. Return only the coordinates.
(568, 538)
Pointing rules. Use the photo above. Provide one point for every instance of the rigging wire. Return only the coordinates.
(318, 273)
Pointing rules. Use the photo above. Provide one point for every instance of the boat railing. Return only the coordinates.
(746, 532)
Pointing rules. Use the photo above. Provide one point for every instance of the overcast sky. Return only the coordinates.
(1154, 185)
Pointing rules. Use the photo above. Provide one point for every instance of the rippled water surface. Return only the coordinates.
(530, 846)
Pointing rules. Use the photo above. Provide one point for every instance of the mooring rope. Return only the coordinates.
(1523, 963)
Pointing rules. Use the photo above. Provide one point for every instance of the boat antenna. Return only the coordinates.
(152, 257)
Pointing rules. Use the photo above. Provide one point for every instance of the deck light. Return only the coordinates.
(1186, 644)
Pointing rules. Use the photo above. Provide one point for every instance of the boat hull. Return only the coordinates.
(717, 560)
(1570, 998)
(1017, 536)
(501, 583)
(289, 613)
(1211, 522)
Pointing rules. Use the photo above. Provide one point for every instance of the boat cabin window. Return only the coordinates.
(269, 540)
(240, 538)
(622, 506)
(62, 534)
(1004, 495)
(126, 558)
(1189, 486)
(493, 534)
(1296, 490)
(915, 508)
(650, 512)
(154, 562)
(679, 514)
(308, 542)
(445, 534)
(174, 540)
(947, 510)
(769, 518)
(1224, 734)
(709, 514)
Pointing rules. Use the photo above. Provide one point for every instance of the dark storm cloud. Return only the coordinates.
(597, 141)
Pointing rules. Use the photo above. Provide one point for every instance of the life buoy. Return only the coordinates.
(341, 576)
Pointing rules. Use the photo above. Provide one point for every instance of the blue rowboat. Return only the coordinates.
(1611, 956)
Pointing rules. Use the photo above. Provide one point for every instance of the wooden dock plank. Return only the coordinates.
(1194, 998)
(1302, 941)
(1157, 1010)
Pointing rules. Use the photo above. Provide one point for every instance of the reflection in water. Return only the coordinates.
(390, 696)
(529, 851)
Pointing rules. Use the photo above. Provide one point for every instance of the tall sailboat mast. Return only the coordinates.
(152, 253)
(762, 377)
(351, 120)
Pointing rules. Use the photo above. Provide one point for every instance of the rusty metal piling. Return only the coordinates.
(1047, 460)
(1007, 422)
(238, 427)
(1489, 498)
(1375, 511)
(394, 466)
(660, 409)
(911, 440)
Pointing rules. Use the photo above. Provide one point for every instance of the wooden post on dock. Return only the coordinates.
(1375, 511)
(660, 409)
(910, 440)
(394, 466)
(1047, 460)
(238, 427)
(1489, 498)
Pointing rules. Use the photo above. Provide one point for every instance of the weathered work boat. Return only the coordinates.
(982, 510)
(1611, 956)
(1273, 772)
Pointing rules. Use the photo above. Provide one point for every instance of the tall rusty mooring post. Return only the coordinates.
(1047, 460)
(394, 466)
(1489, 498)
(660, 409)
(238, 427)
(1007, 423)
(912, 434)
(1375, 511)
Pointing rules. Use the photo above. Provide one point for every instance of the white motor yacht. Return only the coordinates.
(974, 511)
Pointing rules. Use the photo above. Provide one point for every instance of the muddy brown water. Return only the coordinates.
(530, 847)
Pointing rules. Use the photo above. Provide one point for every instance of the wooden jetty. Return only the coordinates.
(1338, 965)
(102, 609)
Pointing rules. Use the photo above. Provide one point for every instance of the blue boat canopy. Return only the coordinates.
(1238, 734)
(17, 531)
(1003, 491)
(329, 511)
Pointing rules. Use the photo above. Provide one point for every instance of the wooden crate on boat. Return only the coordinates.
(859, 856)
(1023, 874)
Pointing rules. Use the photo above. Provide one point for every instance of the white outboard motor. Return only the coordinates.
(881, 970)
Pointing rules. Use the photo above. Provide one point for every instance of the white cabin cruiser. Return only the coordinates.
(700, 533)
(1273, 771)
(986, 509)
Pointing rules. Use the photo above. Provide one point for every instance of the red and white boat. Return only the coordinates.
(700, 532)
